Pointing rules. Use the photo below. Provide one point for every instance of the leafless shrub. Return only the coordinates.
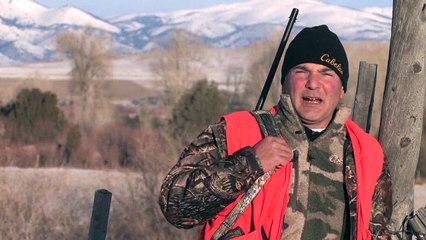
(29, 155)
(118, 145)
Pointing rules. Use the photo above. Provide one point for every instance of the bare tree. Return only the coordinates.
(402, 112)
(180, 65)
(234, 80)
(90, 53)
(262, 56)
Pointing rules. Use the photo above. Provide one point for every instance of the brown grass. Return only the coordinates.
(58, 205)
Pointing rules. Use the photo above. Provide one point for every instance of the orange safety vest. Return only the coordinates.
(268, 209)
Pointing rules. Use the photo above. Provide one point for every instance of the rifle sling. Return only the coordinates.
(268, 127)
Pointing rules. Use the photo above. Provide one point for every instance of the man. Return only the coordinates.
(328, 176)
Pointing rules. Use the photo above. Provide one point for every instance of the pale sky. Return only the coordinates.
(108, 8)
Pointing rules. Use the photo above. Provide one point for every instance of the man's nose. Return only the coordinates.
(313, 81)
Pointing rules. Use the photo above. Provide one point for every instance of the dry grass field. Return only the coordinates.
(55, 203)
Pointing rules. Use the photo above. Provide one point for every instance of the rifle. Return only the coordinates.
(257, 186)
(416, 223)
(278, 55)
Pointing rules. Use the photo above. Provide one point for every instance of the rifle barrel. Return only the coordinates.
(275, 63)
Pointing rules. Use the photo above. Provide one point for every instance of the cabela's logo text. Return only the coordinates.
(332, 61)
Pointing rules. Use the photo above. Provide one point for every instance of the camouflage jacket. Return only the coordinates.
(206, 179)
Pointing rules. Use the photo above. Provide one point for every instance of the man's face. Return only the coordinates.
(315, 91)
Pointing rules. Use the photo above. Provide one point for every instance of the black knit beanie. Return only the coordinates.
(317, 45)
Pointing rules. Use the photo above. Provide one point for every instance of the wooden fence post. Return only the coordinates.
(100, 214)
(402, 111)
(364, 97)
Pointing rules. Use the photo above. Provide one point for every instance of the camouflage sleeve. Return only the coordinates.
(205, 179)
(382, 206)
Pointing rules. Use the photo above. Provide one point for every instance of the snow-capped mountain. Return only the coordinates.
(28, 29)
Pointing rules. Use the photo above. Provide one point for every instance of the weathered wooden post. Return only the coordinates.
(100, 213)
(364, 97)
(402, 111)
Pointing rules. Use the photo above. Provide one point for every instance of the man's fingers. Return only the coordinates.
(273, 151)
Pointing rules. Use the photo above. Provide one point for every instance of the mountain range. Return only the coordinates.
(28, 30)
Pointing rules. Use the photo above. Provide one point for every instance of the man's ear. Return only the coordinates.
(342, 94)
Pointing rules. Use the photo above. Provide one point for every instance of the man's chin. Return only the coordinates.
(312, 122)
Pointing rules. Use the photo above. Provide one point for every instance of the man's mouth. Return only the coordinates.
(314, 100)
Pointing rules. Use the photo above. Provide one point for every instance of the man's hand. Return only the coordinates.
(273, 152)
